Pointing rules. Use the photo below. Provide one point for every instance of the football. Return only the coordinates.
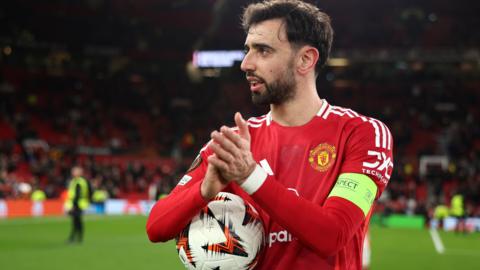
(227, 234)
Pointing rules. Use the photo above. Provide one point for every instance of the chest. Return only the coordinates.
(305, 160)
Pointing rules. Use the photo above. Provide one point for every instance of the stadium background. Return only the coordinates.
(111, 85)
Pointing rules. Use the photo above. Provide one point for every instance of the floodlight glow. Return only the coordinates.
(338, 62)
(216, 59)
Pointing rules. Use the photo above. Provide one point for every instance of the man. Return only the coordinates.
(457, 210)
(38, 195)
(77, 202)
(314, 169)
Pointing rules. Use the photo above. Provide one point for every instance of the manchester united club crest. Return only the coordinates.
(322, 157)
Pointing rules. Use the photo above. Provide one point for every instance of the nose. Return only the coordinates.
(247, 63)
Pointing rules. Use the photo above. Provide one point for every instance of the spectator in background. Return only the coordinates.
(99, 194)
(77, 202)
(3, 184)
(457, 210)
(38, 195)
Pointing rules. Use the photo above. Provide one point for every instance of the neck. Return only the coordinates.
(300, 109)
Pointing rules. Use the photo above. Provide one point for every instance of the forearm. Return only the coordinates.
(171, 214)
(325, 229)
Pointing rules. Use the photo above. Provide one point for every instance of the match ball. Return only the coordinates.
(227, 234)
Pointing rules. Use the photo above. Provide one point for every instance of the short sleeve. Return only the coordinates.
(369, 151)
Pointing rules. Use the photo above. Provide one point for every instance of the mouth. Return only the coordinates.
(255, 84)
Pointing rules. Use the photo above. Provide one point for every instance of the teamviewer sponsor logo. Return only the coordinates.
(377, 174)
(380, 167)
(281, 237)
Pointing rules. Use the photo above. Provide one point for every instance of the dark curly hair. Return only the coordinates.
(305, 24)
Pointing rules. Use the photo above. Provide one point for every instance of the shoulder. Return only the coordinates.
(359, 125)
(338, 113)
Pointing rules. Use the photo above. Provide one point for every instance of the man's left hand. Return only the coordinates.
(233, 157)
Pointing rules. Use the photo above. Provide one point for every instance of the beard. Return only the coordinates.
(279, 91)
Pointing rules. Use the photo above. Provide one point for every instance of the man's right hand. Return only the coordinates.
(213, 183)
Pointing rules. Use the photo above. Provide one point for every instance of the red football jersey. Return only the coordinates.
(304, 229)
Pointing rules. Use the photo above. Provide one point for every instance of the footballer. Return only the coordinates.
(312, 168)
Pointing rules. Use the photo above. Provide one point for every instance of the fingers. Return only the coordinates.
(218, 163)
(231, 149)
(232, 136)
(229, 135)
(242, 126)
(225, 142)
(212, 183)
(221, 152)
(214, 172)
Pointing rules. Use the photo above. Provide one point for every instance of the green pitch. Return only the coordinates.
(110, 243)
(121, 243)
(414, 249)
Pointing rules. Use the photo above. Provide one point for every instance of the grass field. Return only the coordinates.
(121, 243)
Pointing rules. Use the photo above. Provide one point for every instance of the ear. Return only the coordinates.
(307, 59)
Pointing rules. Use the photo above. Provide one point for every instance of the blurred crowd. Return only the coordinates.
(108, 90)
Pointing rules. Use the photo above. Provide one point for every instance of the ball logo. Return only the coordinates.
(322, 157)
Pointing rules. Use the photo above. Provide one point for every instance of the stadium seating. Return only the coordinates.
(108, 89)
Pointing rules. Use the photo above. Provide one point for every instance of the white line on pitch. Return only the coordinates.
(437, 241)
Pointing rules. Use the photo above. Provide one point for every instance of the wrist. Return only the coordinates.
(250, 171)
(206, 192)
(255, 180)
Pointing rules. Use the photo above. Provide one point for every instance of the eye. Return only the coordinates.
(263, 51)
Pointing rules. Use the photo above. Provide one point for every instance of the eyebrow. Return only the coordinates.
(258, 46)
